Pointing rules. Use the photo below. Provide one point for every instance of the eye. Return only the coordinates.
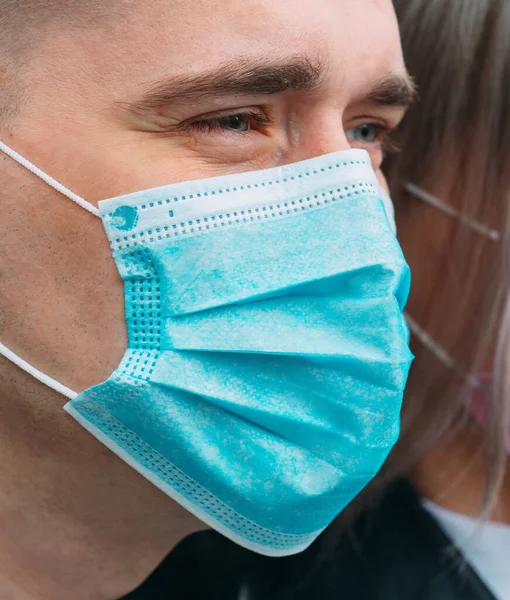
(366, 133)
(234, 123)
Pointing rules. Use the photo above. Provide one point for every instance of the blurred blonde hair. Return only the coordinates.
(458, 138)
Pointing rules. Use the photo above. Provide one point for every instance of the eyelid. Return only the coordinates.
(382, 130)
(388, 116)
(260, 116)
(374, 122)
(385, 142)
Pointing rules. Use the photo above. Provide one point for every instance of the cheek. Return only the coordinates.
(382, 181)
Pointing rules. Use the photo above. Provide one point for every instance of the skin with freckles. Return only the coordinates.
(100, 116)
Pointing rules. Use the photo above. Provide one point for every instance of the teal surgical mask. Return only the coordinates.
(268, 354)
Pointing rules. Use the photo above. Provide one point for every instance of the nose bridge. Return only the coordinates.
(320, 134)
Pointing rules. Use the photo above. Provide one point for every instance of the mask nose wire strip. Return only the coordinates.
(28, 368)
(49, 180)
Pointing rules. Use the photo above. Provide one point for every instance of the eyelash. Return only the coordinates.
(212, 124)
(387, 141)
(263, 120)
(384, 143)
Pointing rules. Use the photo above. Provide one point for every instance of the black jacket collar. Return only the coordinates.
(393, 552)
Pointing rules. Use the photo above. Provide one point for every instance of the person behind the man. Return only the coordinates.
(265, 361)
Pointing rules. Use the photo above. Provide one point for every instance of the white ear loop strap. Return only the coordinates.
(49, 180)
(4, 351)
(28, 368)
(442, 206)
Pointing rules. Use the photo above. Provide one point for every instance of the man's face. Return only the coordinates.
(181, 89)
(172, 90)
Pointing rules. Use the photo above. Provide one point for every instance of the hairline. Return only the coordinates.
(34, 20)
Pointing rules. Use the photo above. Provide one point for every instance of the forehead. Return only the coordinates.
(162, 38)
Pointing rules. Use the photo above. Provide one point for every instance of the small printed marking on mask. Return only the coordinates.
(124, 218)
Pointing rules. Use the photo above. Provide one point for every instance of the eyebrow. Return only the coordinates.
(241, 77)
(394, 90)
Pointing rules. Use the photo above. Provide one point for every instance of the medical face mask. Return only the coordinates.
(478, 387)
(267, 356)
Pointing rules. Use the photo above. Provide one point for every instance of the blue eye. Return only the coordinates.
(366, 133)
